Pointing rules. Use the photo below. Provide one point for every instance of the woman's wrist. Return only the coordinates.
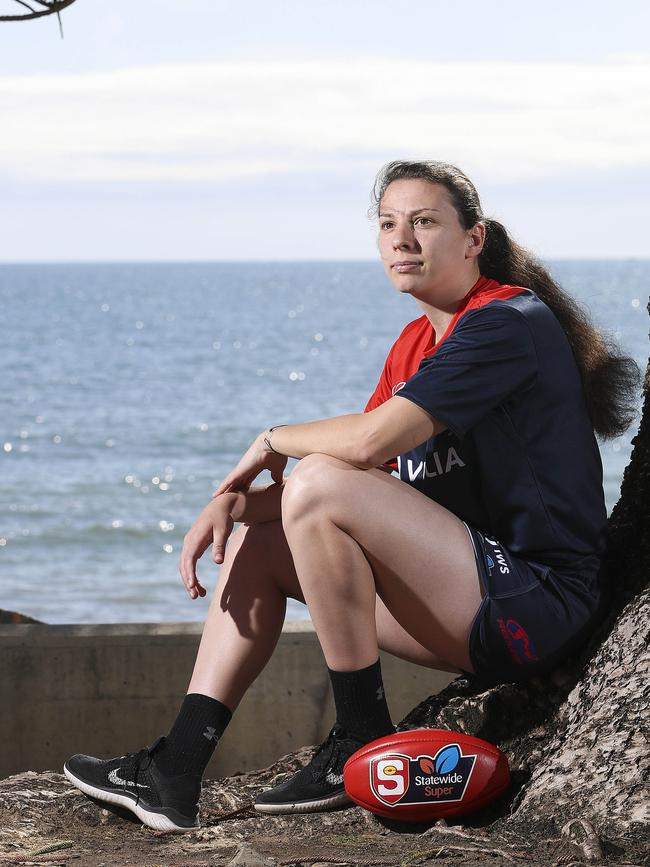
(228, 502)
(254, 506)
(267, 436)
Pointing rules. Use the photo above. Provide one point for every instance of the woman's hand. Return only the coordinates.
(213, 526)
(258, 457)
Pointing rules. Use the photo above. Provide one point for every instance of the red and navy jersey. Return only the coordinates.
(519, 459)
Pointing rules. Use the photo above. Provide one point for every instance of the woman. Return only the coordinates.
(483, 556)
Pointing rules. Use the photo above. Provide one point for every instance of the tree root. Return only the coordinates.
(32, 859)
(362, 861)
(479, 850)
(583, 834)
(36, 856)
(482, 844)
(445, 829)
(221, 815)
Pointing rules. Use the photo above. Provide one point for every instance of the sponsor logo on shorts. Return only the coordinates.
(399, 779)
(517, 641)
(398, 387)
(499, 556)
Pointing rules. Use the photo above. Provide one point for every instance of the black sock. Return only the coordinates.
(189, 745)
(360, 702)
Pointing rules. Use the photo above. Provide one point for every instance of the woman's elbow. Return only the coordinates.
(370, 452)
(363, 462)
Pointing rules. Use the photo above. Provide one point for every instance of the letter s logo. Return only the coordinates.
(392, 771)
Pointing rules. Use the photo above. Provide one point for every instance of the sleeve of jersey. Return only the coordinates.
(488, 357)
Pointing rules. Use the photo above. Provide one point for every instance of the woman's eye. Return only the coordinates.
(422, 221)
(386, 225)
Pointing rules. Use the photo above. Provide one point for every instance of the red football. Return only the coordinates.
(425, 774)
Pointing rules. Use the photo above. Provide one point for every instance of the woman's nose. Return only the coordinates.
(403, 237)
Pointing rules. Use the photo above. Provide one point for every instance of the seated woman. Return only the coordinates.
(483, 555)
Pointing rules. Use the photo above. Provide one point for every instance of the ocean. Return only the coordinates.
(130, 390)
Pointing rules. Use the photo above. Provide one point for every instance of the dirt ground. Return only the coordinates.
(44, 820)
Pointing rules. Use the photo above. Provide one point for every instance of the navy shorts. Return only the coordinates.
(531, 616)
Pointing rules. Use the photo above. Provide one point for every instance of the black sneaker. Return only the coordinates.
(317, 786)
(133, 781)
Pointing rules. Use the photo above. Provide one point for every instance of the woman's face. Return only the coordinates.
(425, 250)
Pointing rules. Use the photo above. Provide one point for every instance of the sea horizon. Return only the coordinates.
(283, 261)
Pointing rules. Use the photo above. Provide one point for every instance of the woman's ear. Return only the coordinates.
(475, 240)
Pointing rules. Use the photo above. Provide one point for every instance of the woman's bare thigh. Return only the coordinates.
(267, 545)
(420, 554)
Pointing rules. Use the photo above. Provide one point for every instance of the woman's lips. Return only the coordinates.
(406, 267)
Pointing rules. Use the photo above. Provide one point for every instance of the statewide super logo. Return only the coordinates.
(400, 779)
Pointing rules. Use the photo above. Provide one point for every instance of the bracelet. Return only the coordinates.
(267, 439)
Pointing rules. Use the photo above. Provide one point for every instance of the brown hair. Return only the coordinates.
(610, 379)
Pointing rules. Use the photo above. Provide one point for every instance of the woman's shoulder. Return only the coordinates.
(493, 294)
(510, 303)
(416, 326)
(415, 332)
(407, 351)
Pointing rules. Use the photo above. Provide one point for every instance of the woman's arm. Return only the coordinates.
(364, 440)
(257, 505)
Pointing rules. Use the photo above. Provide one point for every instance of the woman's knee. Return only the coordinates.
(314, 482)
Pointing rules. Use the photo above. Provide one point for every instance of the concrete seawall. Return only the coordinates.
(106, 690)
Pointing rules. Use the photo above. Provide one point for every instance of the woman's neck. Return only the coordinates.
(442, 312)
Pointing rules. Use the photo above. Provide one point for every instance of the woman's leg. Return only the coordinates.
(161, 784)
(379, 564)
(356, 533)
(246, 612)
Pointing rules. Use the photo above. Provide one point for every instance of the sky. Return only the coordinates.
(212, 130)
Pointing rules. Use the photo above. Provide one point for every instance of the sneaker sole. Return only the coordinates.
(306, 806)
(157, 821)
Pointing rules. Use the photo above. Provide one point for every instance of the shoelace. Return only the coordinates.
(329, 751)
(133, 764)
